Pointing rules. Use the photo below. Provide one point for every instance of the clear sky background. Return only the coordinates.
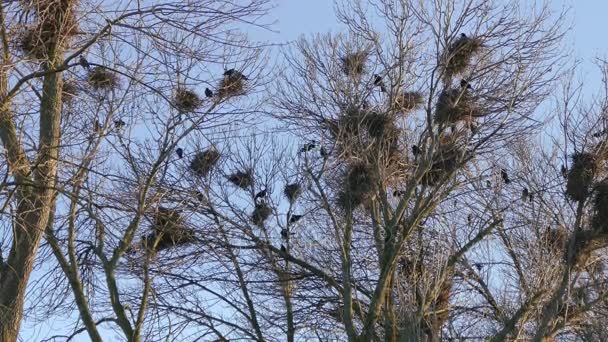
(586, 40)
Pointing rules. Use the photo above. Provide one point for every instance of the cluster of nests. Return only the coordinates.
(232, 84)
(168, 230)
(262, 210)
(54, 20)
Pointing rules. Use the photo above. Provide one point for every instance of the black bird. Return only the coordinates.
(398, 193)
(323, 152)
(505, 176)
(488, 184)
(199, 196)
(83, 62)
(294, 218)
(234, 73)
(470, 218)
(307, 147)
(463, 36)
(525, 194)
(229, 72)
(531, 197)
(119, 124)
(96, 126)
(284, 234)
(208, 92)
(261, 194)
(564, 171)
(599, 134)
(465, 84)
(283, 249)
(415, 150)
(478, 266)
(180, 152)
(379, 83)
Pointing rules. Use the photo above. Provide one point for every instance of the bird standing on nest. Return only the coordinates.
(465, 84)
(379, 83)
(261, 194)
(83, 62)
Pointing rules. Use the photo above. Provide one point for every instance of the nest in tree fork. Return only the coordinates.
(69, 90)
(260, 214)
(101, 78)
(232, 84)
(353, 64)
(599, 222)
(186, 100)
(203, 162)
(556, 238)
(454, 105)
(445, 161)
(242, 179)
(357, 187)
(292, 191)
(168, 231)
(459, 54)
(408, 101)
(581, 174)
(586, 242)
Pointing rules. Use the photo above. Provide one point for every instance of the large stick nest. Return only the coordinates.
(353, 64)
(232, 84)
(357, 187)
(408, 101)
(242, 179)
(168, 231)
(203, 162)
(260, 214)
(102, 79)
(581, 174)
(456, 104)
(460, 53)
(186, 100)
(599, 222)
(292, 191)
(445, 161)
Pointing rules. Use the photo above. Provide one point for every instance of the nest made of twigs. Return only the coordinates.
(242, 179)
(102, 79)
(232, 84)
(459, 54)
(357, 187)
(292, 191)
(555, 238)
(445, 161)
(408, 101)
(455, 105)
(353, 64)
(599, 222)
(586, 242)
(203, 161)
(261, 212)
(581, 174)
(69, 90)
(168, 231)
(186, 100)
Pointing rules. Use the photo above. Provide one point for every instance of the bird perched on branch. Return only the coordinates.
(261, 194)
(564, 171)
(465, 84)
(208, 92)
(416, 150)
(379, 83)
(119, 124)
(294, 218)
(525, 194)
(180, 152)
(307, 147)
(505, 176)
(83, 62)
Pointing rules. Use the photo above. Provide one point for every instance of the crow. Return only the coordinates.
(531, 197)
(261, 194)
(379, 83)
(415, 150)
(119, 124)
(505, 176)
(463, 36)
(564, 171)
(97, 126)
(233, 73)
(229, 72)
(84, 63)
(470, 219)
(525, 194)
(323, 152)
(199, 196)
(283, 249)
(208, 92)
(307, 147)
(294, 218)
(465, 84)
(478, 266)
(599, 134)
(488, 184)
(398, 193)
(284, 234)
(180, 152)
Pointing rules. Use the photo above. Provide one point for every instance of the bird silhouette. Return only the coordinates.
(261, 194)
(323, 152)
(470, 219)
(564, 171)
(525, 194)
(83, 62)
(283, 249)
(294, 218)
(284, 234)
(415, 150)
(229, 72)
(208, 92)
(478, 266)
(531, 198)
(465, 84)
(200, 196)
(119, 124)
(488, 184)
(463, 36)
(505, 176)
(307, 147)
(180, 152)
(96, 126)
(398, 193)
(379, 83)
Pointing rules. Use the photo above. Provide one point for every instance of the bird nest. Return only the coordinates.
(587, 242)
(455, 105)
(445, 161)
(292, 191)
(408, 101)
(102, 79)
(168, 231)
(260, 214)
(599, 222)
(581, 174)
(186, 100)
(69, 90)
(232, 84)
(242, 179)
(459, 54)
(556, 238)
(203, 162)
(353, 64)
(357, 186)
